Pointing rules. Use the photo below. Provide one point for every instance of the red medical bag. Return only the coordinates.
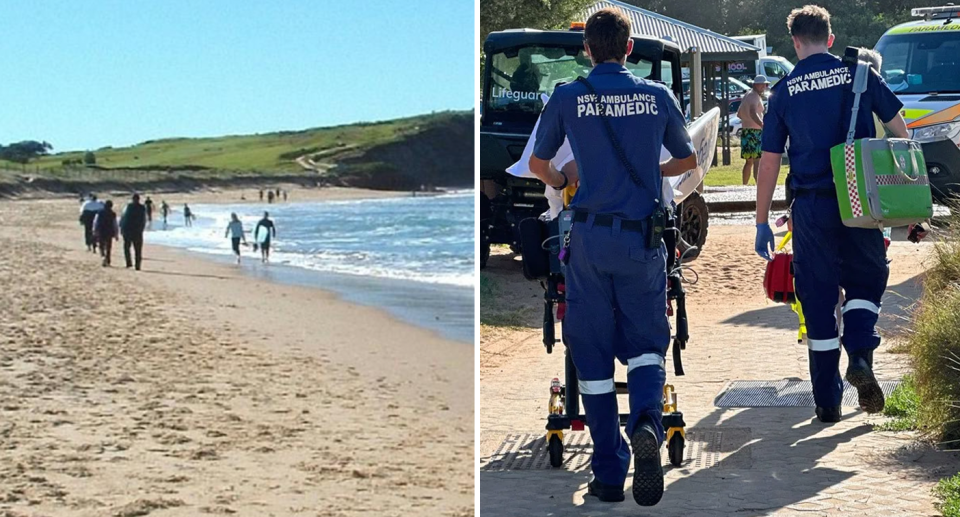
(778, 280)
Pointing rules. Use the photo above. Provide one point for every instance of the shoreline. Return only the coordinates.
(207, 390)
(445, 309)
(389, 295)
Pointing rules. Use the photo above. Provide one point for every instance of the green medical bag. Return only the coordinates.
(880, 182)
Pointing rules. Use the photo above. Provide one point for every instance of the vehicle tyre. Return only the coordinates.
(675, 449)
(555, 447)
(694, 219)
(739, 131)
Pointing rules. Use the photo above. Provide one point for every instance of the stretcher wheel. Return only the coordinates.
(675, 449)
(555, 446)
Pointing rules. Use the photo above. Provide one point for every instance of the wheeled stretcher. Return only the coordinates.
(541, 243)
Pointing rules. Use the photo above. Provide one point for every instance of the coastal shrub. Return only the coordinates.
(935, 343)
(903, 405)
(948, 493)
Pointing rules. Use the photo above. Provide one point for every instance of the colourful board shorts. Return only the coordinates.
(749, 143)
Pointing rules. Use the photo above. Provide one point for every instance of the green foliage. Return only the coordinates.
(935, 343)
(903, 405)
(89, 158)
(948, 492)
(23, 152)
(268, 152)
(728, 175)
(498, 15)
(854, 22)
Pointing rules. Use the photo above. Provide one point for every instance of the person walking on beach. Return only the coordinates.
(148, 204)
(261, 195)
(132, 224)
(106, 231)
(235, 232)
(751, 116)
(270, 197)
(264, 242)
(284, 195)
(164, 212)
(188, 216)
(88, 212)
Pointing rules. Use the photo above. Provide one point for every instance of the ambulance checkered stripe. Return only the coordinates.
(850, 165)
(897, 179)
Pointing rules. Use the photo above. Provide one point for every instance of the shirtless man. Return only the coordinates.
(751, 118)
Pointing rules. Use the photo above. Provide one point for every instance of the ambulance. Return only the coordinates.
(921, 64)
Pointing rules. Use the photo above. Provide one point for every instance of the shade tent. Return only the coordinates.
(716, 51)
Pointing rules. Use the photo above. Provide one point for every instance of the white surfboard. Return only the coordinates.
(703, 134)
(263, 234)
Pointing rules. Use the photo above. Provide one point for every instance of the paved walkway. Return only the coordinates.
(750, 461)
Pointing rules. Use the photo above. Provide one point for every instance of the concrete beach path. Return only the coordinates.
(751, 461)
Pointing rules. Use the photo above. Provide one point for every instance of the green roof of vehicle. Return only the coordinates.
(920, 26)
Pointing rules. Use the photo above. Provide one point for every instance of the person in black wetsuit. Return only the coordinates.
(164, 212)
(132, 224)
(148, 204)
(106, 231)
(271, 230)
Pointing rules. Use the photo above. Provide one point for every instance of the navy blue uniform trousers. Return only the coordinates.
(616, 310)
(828, 256)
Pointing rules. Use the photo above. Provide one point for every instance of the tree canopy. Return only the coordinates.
(855, 22)
(498, 15)
(23, 152)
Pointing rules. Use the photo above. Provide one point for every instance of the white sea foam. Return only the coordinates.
(422, 239)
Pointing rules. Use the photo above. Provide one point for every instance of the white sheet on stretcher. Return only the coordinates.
(521, 169)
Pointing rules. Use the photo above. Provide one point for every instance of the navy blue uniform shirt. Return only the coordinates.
(812, 106)
(644, 115)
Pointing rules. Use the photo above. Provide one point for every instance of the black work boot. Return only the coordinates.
(647, 469)
(604, 492)
(828, 415)
(860, 376)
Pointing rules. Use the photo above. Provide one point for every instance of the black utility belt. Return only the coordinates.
(653, 226)
(630, 225)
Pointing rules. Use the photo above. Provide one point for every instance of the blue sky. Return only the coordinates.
(84, 74)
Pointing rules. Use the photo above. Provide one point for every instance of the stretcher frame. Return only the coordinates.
(564, 405)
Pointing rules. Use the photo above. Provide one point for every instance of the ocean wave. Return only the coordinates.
(428, 239)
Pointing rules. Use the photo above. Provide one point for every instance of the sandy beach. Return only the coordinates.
(190, 388)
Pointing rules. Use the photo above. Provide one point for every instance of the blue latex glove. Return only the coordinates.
(764, 245)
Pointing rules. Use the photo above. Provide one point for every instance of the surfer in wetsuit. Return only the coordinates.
(148, 204)
(188, 216)
(264, 242)
(235, 232)
(164, 212)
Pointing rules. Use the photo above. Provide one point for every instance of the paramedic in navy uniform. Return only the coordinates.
(812, 106)
(616, 282)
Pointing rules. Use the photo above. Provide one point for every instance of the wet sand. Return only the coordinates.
(190, 388)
